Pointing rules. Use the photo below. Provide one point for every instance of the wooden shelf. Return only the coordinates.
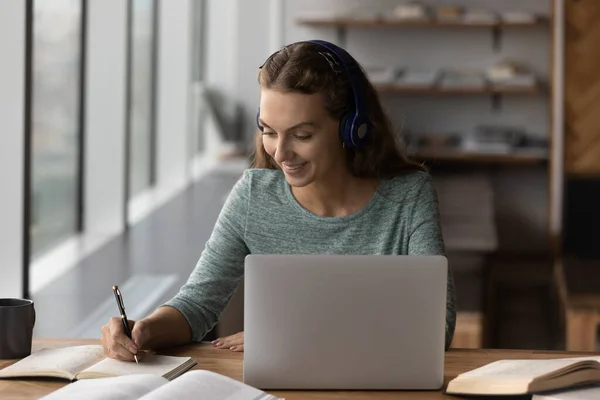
(488, 90)
(389, 23)
(462, 157)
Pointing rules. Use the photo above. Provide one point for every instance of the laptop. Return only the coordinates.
(344, 322)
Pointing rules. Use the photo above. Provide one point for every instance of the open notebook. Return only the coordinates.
(199, 384)
(88, 362)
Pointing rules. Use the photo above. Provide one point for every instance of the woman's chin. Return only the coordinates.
(297, 182)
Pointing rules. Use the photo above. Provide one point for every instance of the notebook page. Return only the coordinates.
(68, 359)
(523, 368)
(152, 364)
(119, 388)
(200, 384)
(587, 393)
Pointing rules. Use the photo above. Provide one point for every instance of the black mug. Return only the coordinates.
(17, 318)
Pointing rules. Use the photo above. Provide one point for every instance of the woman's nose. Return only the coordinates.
(282, 151)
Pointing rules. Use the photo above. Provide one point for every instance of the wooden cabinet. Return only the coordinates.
(582, 87)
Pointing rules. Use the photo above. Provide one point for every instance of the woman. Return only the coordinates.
(327, 177)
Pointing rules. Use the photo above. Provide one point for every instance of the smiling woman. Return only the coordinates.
(328, 177)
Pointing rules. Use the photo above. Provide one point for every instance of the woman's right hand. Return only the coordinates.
(117, 345)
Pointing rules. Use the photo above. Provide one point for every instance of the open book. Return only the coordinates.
(516, 377)
(199, 384)
(87, 362)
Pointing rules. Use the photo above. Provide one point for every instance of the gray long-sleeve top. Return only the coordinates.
(261, 216)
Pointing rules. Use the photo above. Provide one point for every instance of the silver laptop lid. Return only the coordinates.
(344, 321)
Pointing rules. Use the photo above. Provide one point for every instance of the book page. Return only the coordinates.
(591, 392)
(523, 368)
(201, 384)
(151, 364)
(118, 388)
(61, 361)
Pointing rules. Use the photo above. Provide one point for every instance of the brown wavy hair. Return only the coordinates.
(300, 67)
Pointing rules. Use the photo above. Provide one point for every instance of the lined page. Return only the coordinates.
(119, 388)
(206, 385)
(523, 368)
(152, 364)
(69, 360)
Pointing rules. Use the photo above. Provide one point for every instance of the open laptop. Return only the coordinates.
(344, 321)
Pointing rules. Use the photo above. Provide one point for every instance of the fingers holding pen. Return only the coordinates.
(115, 342)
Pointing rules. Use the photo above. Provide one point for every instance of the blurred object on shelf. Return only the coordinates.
(540, 144)
(448, 13)
(415, 78)
(518, 17)
(510, 74)
(494, 139)
(462, 79)
(488, 145)
(431, 141)
(480, 17)
(355, 13)
(417, 13)
(381, 75)
(361, 14)
(411, 10)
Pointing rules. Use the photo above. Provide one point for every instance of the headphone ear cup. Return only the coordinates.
(345, 130)
(260, 128)
(354, 130)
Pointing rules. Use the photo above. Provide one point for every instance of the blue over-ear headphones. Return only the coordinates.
(355, 127)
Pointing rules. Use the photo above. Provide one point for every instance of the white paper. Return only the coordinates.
(150, 364)
(206, 385)
(118, 388)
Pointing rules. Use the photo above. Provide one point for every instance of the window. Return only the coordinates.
(142, 48)
(55, 122)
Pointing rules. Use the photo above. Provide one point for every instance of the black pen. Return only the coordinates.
(121, 306)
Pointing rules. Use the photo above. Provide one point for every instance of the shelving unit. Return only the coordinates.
(496, 93)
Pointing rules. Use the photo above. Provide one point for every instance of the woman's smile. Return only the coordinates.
(293, 169)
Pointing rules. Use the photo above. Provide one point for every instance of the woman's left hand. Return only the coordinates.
(233, 342)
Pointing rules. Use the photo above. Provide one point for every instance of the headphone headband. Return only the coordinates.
(352, 70)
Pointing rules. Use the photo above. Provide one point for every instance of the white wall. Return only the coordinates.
(242, 34)
(254, 40)
(174, 91)
(105, 104)
(222, 45)
(12, 74)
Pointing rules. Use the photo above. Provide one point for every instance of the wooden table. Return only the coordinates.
(230, 364)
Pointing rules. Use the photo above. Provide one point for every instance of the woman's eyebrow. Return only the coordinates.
(292, 128)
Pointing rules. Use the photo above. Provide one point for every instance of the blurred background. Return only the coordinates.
(125, 123)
